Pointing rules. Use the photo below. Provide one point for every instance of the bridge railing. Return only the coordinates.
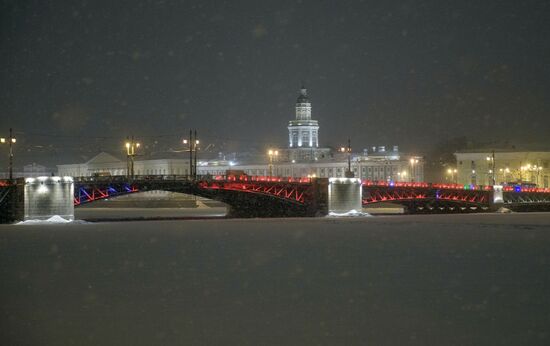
(258, 178)
(125, 179)
(253, 178)
(519, 188)
(427, 185)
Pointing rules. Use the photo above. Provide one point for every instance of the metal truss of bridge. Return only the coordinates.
(447, 198)
(249, 196)
(287, 196)
(246, 196)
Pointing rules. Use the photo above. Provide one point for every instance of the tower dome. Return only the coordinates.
(303, 131)
(303, 98)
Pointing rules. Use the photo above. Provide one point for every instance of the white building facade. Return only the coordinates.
(107, 164)
(387, 166)
(302, 158)
(480, 167)
(303, 132)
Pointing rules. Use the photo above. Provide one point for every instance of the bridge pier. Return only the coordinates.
(345, 195)
(496, 198)
(12, 201)
(37, 199)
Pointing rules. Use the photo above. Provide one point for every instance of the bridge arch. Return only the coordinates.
(243, 198)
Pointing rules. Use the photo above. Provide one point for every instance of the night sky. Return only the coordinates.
(79, 76)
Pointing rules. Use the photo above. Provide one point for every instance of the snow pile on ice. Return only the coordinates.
(351, 213)
(503, 210)
(51, 220)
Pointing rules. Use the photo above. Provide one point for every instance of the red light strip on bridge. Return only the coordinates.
(295, 192)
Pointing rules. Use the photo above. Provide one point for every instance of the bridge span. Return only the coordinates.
(245, 196)
(260, 196)
(276, 196)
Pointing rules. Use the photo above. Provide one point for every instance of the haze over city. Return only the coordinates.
(78, 77)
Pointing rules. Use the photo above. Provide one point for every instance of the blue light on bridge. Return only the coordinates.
(517, 188)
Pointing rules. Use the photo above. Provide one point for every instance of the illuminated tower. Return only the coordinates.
(303, 132)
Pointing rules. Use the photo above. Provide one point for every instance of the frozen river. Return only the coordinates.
(391, 280)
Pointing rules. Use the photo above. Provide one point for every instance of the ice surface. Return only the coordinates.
(464, 279)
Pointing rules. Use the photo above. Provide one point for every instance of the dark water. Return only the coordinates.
(407, 280)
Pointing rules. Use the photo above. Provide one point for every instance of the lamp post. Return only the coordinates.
(348, 173)
(11, 141)
(539, 173)
(506, 171)
(271, 154)
(131, 148)
(402, 176)
(193, 147)
(413, 162)
(530, 172)
(491, 162)
(454, 177)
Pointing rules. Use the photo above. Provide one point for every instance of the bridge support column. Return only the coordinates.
(319, 203)
(497, 200)
(12, 201)
(345, 195)
(45, 197)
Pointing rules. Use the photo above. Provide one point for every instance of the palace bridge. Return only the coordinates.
(261, 196)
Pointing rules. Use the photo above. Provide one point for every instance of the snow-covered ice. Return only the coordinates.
(464, 279)
(351, 213)
(52, 220)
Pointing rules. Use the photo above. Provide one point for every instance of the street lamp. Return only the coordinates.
(531, 170)
(193, 147)
(521, 170)
(452, 172)
(402, 176)
(413, 162)
(10, 141)
(347, 150)
(504, 175)
(491, 162)
(131, 148)
(272, 153)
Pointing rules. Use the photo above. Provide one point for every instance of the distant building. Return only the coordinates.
(506, 166)
(303, 134)
(35, 170)
(302, 158)
(105, 163)
(30, 171)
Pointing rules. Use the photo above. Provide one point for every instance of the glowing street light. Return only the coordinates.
(10, 141)
(453, 173)
(272, 153)
(413, 162)
(348, 173)
(193, 148)
(531, 170)
(491, 167)
(504, 172)
(402, 176)
(131, 148)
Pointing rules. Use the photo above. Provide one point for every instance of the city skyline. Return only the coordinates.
(406, 74)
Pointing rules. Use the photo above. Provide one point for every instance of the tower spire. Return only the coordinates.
(303, 90)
